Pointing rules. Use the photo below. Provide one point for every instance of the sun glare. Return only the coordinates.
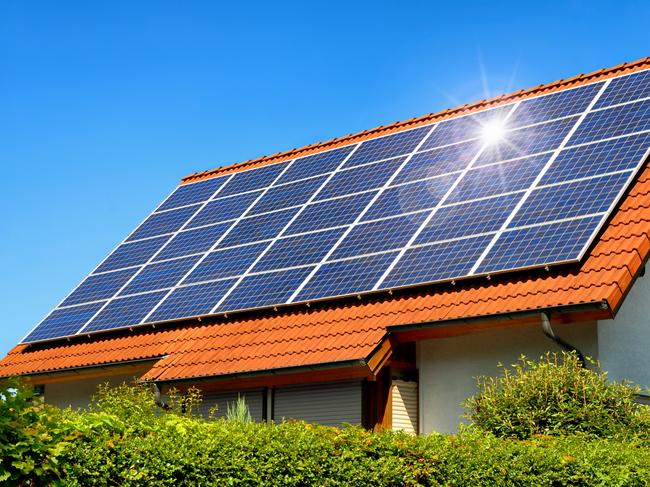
(493, 131)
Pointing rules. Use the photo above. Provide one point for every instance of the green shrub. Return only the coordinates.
(556, 396)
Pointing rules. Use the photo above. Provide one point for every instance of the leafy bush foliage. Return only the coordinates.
(126, 439)
(556, 396)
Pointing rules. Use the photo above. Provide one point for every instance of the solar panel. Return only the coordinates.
(434, 203)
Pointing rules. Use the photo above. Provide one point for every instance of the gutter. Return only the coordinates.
(548, 331)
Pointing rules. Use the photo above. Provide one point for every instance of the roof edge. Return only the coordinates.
(577, 80)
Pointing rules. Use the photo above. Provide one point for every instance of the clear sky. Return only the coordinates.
(105, 105)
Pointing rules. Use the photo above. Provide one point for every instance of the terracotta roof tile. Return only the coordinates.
(340, 331)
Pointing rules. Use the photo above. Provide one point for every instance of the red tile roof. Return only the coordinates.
(348, 330)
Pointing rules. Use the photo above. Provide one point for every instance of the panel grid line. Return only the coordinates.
(360, 215)
(437, 207)
(539, 177)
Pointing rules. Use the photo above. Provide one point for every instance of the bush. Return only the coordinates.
(556, 396)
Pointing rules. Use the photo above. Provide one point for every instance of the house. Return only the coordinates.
(402, 357)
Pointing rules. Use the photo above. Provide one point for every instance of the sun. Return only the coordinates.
(493, 132)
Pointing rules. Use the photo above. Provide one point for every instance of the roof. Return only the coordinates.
(346, 331)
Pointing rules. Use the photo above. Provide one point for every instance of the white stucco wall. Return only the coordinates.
(624, 343)
(448, 366)
(77, 393)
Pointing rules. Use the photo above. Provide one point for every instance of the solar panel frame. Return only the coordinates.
(432, 126)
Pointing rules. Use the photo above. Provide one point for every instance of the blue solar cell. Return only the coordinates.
(472, 218)
(554, 105)
(259, 290)
(598, 158)
(378, 236)
(226, 263)
(188, 194)
(258, 228)
(224, 209)
(499, 178)
(437, 262)
(300, 250)
(360, 179)
(101, 286)
(162, 223)
(331, 213)
(185, 302)
(528, 141)
(611, 122)
(346, 277)
(464, 128)
(160, 275)
(132, 254)
(389, 146)
(541, 245)
(435, 162)
(410, 197)
(322, 163)
(122, 312)
(570, 200)
(193, 241)
(626, 88)
(287, 195)
(253, 179)
(63, 322)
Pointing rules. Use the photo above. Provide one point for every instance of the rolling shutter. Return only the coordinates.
(253, 397)
(404, 396)
(329, 404)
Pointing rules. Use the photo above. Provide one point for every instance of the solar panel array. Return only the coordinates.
(435, 203)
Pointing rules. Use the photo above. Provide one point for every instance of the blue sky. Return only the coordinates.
(105, 105)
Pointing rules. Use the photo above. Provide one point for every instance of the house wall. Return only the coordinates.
(447, 367)
(624, 343)
(77, 393)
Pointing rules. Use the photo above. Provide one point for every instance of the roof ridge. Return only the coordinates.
(420, 120)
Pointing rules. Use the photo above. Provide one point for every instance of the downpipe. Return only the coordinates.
(548, 331)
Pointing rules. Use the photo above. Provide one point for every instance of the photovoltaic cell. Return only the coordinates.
(162, 223)
(63, 322)
(322, 163)
(360, 179)
(463, 188)
(160, 275)
(498, 178)
(570, 200)
(466, 219)
(626, 88)
(100, 286)
(598, 158)
(539, 245)
(387, 147)
(255, 228)
(132, 254)
(464, 128)
(300, 250)
(224, 263)
(331, 213)
(288, 195)
(188, 194)
(555, 105)
(224, 209)
(191, 300)
(528, 140)
(453, 158)
(193, 241)
(253, 179)
(346, 277)
(612, 122)
(259, 290)
(378, 236)
(127, 311)
(437, 262)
